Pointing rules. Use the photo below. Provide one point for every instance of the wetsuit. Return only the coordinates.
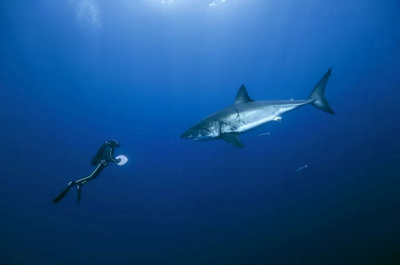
(103, 157)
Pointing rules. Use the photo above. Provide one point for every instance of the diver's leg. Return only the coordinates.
(64, 192)
(81, 182)
(92, 176)
(79, 188)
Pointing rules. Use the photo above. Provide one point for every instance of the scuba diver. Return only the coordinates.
(103, 157)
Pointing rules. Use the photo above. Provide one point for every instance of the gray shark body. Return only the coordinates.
(246, 114)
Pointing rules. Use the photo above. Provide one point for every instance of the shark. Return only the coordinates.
(246, 114)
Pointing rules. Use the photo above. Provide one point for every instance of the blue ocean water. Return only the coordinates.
(76, 73)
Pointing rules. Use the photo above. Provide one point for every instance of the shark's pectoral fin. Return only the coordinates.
(233, 139)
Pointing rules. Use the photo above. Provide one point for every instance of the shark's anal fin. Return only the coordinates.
(233, 139)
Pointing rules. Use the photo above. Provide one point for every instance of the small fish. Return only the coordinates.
(262, 134)
(301, 168)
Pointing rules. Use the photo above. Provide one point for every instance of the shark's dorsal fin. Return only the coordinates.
(232, 139)
(242, 95)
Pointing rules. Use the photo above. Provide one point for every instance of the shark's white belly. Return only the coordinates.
(254, 124)
(244, 121)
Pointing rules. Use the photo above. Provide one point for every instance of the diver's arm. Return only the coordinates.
(99, 153)
(113, 159)
(108, 153)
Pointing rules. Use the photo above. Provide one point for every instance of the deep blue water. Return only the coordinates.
(76, 73)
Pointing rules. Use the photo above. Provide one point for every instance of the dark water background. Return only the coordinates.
(76, 73)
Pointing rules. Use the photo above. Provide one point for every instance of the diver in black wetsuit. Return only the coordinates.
(104, 155)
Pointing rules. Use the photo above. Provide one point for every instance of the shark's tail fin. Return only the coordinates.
(317, 95)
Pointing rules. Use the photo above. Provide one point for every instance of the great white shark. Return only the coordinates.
(246, 114)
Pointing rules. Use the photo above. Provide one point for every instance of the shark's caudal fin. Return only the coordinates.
(318, 94)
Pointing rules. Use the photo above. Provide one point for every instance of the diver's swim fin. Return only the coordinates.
(63, 193)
